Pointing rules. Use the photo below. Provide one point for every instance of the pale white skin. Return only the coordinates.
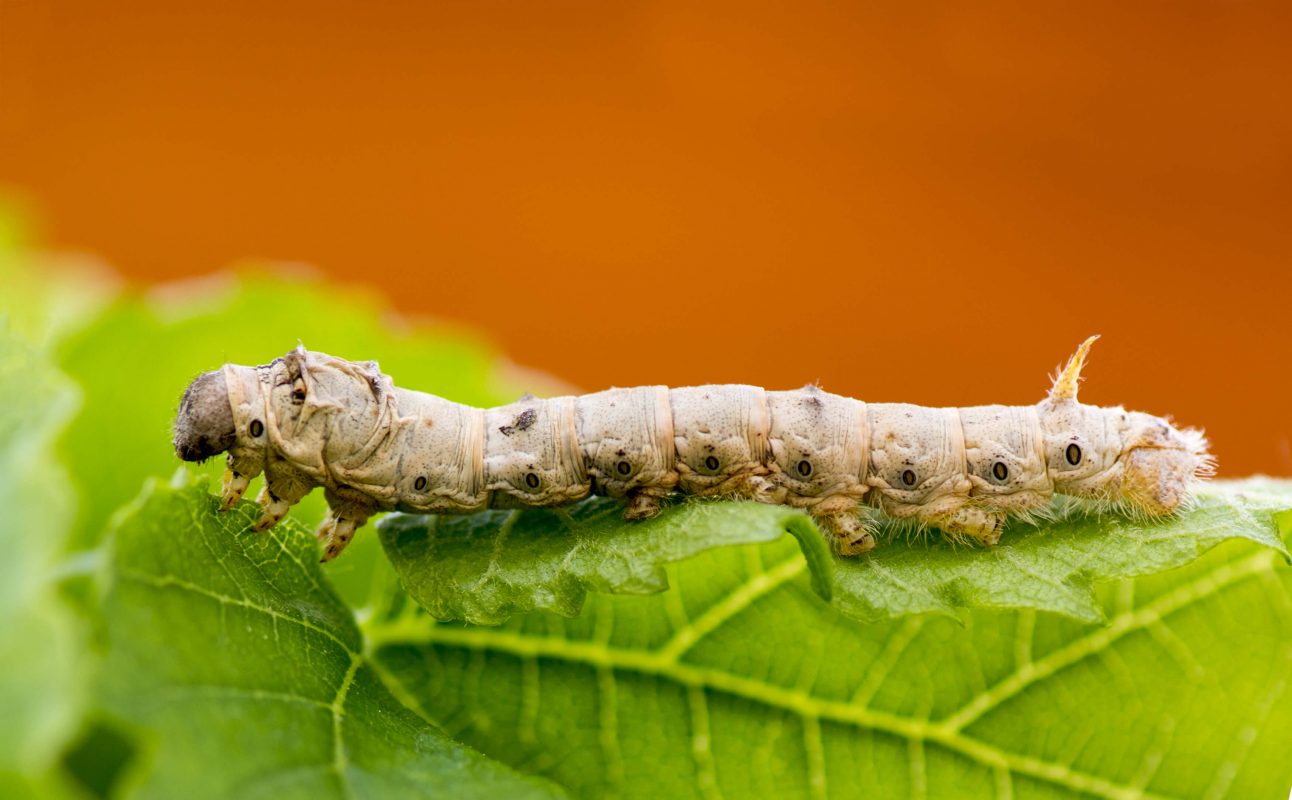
(310, 419)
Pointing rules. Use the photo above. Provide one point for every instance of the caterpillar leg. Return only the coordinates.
(759, 488)
(237, 475)
(335, 533)
(232, 488)
(848, 532)
(643, 503)
(344, 517)
(283, 489)
(841, 519)
(978, 525)
(746, 484)
(275, 508)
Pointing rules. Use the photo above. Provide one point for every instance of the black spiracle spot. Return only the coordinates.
(531, 480)
(908, 477)
(999, 471)
(623, 468)
(712, 463)
(805, 468)
(1073, 454)
(257, 428)
(420, 483)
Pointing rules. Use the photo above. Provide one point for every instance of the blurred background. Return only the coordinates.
(928, 202)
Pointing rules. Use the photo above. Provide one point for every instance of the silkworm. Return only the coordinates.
(309, 419)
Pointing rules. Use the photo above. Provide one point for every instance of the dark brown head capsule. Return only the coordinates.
(204, 426)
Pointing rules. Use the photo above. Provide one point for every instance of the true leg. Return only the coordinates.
(345, 516)
(284, 488)
(237, 475)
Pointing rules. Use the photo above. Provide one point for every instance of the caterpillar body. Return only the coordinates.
(309, 419)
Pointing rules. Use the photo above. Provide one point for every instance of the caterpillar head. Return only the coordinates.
(245, 409)
(204, 426)
(1126, 457)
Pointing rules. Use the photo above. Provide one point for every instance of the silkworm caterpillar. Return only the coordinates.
(309, 419)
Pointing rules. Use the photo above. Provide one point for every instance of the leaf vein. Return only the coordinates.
(796, 701)
(1096, 641)
(170, 581)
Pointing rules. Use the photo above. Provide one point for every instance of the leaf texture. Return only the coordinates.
(740, 681)
(484, 567)
(245, 675)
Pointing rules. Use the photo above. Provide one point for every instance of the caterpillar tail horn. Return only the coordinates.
(1066, 384)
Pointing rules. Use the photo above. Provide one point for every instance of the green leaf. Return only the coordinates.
(740, 681)
(136, 359)
(485, 567)
(1053, 566)
(40, 640)
(245, 675)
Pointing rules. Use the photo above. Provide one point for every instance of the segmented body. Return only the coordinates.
(309, 420)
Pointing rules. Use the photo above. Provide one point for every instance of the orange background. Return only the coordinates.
(932, 202)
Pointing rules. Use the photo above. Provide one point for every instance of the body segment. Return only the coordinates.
(309, 420)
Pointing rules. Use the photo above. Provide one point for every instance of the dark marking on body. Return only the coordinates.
(523, 421)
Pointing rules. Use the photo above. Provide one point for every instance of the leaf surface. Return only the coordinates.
(1053, 566)
(484, 567)
(740, 681)
(245, 675)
